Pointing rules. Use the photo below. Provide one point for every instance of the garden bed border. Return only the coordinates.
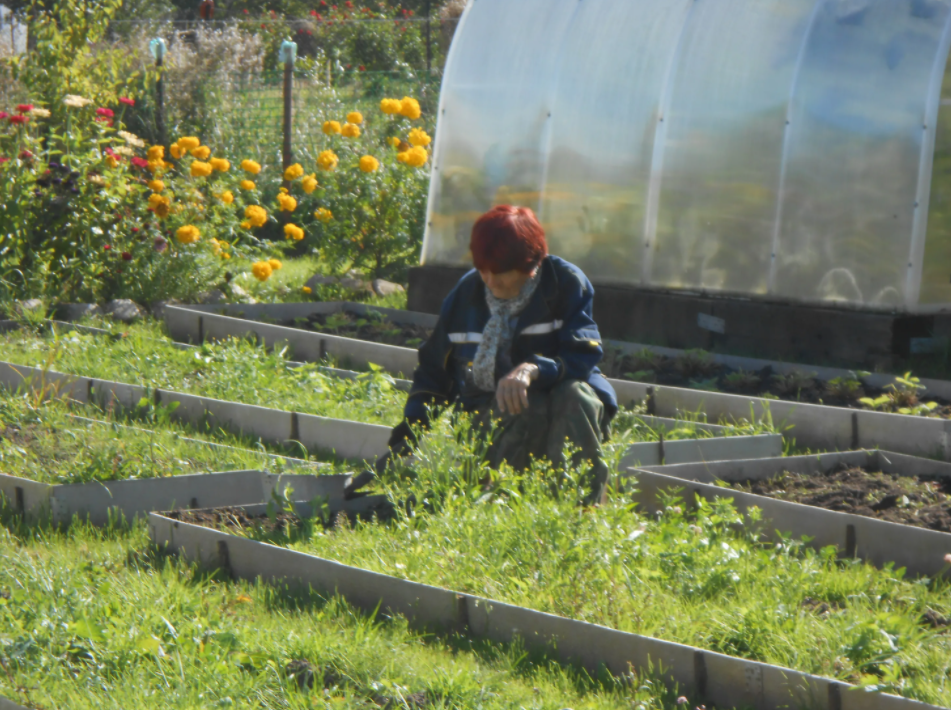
(879, 542)
(10, 705)
(102, 501)
(725, 681)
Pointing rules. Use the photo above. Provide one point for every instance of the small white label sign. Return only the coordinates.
(711, 323)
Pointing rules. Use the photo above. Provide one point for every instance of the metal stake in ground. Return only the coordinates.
(158, 49)
(287, 56)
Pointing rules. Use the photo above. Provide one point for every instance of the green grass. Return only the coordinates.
(54, 443)
(92, 619)
(707, 580)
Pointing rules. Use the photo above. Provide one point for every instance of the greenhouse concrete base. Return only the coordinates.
(757, 328)
(102, 501)
(718, 679)
(919, 550)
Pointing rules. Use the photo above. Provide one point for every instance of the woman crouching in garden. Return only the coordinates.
(517, 346)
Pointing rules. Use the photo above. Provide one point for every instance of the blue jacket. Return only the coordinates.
(555, 331)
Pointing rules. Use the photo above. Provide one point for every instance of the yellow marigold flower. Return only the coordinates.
(292, 231)
(201, 152)
(112, 161)
(225, 255)
(200, 169)
(410, 108)
(275, 264)
(188, 234)
(177, 151)
(245, 225)
(246, 185)
(395, 141)
(331, 127)
(419, 137)
(309, 183)
(251, 166)
(220, 164)
(327, 160)
(227, 197)
(351, 130)
(156, 199)
(415, 157)
(287, 203)
(307, 289)
(261, 270)
(323, 214)
(391, 106)
(215, 246)
(355, 117)
(156, 152)
(156, 185)
(293, 172)
(188, 142)
(161, 211)
(257, 216)
(368, 164)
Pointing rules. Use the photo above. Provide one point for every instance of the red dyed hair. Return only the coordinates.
(507, 238)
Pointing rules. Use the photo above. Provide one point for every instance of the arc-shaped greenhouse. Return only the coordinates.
(782, 150)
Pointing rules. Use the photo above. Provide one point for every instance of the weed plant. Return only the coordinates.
(708, 578)
(91, 618)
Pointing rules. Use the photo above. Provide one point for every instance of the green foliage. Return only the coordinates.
(70, 58)
(901, 396)
(847, 387)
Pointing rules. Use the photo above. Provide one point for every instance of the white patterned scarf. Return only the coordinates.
(499, 331)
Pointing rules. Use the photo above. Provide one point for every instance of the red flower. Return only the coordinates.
(309, 32)
(245, 11)
(323, 3)
(107, 247)
(138, 162)
(135, 229)
(24, 108)
(126, 256)
(109, 151)
(319, 16)
(330, 23)
(127, 101)
(362, 68)
(313, 13)
(348, 4)
(262, 26)
(349, 66)
(26, 155)
(3, 115)
(18, 118)
(410, 13)
(105, 112)
(3, 160)
(333, 7)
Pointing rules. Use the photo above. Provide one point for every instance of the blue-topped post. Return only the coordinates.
(288, 55)
(158, 49)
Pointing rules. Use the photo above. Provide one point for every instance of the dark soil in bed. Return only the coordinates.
(367, 327)
(923, 502)
(236, 519)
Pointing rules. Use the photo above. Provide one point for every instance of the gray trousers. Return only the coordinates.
(570, 413)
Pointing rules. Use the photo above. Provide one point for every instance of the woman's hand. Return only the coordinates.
(512, 392)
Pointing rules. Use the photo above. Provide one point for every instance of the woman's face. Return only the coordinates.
(506, 285)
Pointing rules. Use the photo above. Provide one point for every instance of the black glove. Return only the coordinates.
(402, 442)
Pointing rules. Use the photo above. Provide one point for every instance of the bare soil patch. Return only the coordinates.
(921, 501)
(374, 328)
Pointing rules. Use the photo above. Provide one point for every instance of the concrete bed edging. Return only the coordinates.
(10, 705)
(349, 439)
(100, 501)
(813, 425)
(718, 679)
(919, 550)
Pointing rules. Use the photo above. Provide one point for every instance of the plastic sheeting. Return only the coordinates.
(779, 148)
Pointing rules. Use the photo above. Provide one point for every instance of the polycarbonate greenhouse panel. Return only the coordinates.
(749, 147)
